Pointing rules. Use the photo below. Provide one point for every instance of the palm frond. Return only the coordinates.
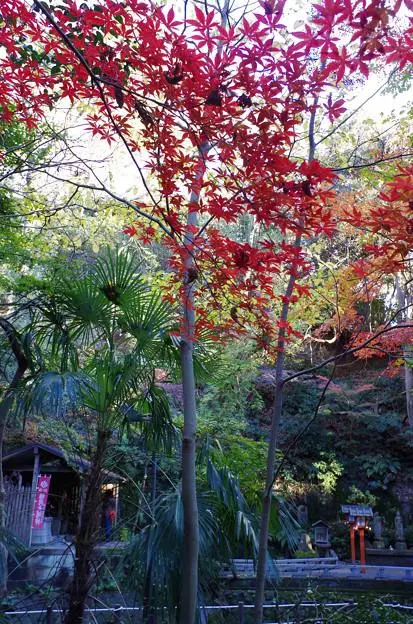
(51, 344)
(283, 524)
(117, 277)
(52, 393)
(88, 312)
(159, 548)
(15, 548)
(239, 523)
(246, 529)
(148, 319)
(111, 384)
(156, 425)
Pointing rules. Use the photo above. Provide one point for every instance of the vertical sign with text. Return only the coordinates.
(40, 501)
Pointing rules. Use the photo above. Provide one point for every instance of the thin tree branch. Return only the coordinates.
(337, 358)
(374, 163)
(300, 434)
(356, 110)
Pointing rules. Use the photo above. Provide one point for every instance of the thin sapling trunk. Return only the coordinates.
(189, 591)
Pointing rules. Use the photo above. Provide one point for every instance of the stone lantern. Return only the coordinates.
(321, 532)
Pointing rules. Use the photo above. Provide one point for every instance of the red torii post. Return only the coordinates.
(352, 544)
(356, 517)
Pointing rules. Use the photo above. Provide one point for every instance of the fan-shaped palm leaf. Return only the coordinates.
(207, 363)
(52, 347)
(114, 380)
(53, 393)
(118, 279)
(87, 310)
(155, 421)
(148, 319)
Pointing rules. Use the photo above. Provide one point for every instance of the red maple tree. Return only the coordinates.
(209, 110)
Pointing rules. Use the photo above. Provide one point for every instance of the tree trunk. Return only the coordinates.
(408, 382)
(404, 315)
(189, 496)
(5, 409)
(276, 415)
(149, 609)
(86, 535)
(189, 591)
(272, 449)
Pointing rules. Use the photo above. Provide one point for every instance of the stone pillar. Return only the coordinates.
(378, 531)
(399, 530)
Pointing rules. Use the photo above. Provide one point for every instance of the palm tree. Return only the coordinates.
(105, 333)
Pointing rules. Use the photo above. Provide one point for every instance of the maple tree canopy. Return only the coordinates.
(211, 110)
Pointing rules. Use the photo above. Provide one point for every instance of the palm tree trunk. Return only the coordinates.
(86, 535)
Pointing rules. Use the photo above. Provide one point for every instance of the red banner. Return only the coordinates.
(40, 501)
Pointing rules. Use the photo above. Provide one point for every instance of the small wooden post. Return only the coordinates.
(116, 496)
(241, 612)
(49, 615)
(362, 551)
(36, 470)
(352, 545)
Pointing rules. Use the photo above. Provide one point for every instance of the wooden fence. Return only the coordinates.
(19, 511)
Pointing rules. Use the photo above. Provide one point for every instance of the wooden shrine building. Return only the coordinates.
(61, 504)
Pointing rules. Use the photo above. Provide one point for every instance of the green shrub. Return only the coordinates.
(340, 539)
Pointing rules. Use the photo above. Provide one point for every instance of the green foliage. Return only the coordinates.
(90, 358)
(328, 469)
(357, 497)
(227, 409)
(373, 610)
(304, 554)
(389, 536)
(355, 448)
(247, 457)
(340, 539)
(226, 405)
(381, 471)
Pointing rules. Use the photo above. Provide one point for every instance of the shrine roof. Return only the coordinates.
(357, 510)
(23, 457)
